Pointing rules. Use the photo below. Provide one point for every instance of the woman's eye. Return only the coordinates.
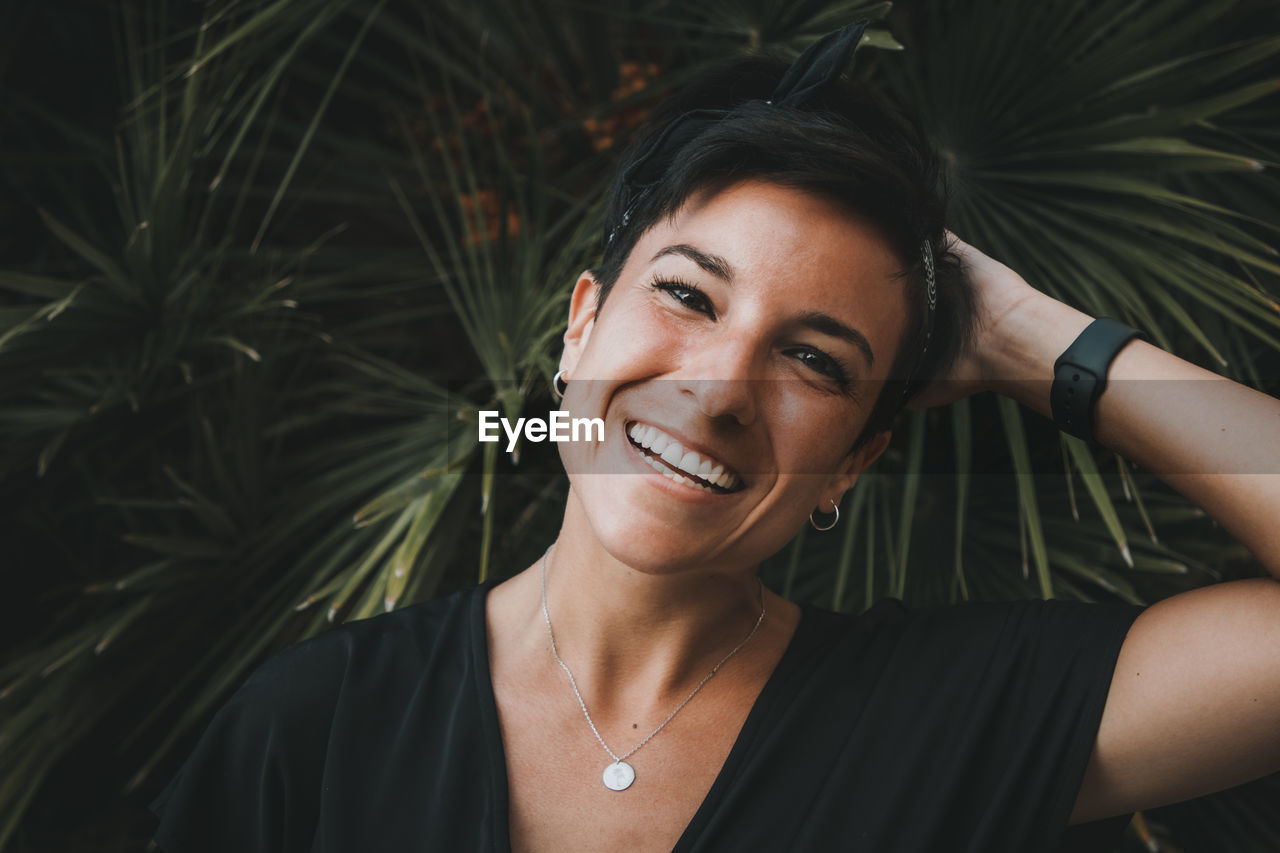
(821, 363)
(687, 295)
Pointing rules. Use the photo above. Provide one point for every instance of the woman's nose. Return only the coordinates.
(724, 380)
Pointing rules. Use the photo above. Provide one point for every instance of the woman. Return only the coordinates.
(776, 272)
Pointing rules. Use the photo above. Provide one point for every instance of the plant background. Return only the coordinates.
(261, 262)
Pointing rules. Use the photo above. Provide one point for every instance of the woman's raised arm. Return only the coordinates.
(1214, 440)
(1194, 703)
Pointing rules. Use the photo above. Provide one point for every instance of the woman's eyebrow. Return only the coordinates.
(714, 264)
(828, 325)
(817, 321)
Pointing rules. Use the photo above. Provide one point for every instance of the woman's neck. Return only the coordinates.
(628, 626)
(635, 637)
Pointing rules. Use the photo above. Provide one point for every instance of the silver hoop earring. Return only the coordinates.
(556, 382)
(834, 521)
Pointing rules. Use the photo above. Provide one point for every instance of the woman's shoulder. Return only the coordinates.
(1038, 620)
(255, 777)
(367, 653)
(976, 629)
(416, 629)
(889, 610)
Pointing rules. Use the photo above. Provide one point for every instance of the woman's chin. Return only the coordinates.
(650, 553)
(655, 540)
(650, 539)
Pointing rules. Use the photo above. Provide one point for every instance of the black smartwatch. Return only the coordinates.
(1080, 374)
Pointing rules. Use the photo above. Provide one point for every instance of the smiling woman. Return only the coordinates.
(776, 284)
(755, 367)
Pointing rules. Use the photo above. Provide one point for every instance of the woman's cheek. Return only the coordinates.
(803, 426)
(644, 342)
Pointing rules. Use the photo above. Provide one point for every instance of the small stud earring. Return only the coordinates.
(834, 521)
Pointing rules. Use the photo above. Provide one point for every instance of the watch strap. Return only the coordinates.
(1080, 374)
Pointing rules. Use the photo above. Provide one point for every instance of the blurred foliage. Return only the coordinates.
(265, 259)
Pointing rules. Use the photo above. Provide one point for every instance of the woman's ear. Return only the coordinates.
(582, 319)
(855, 463)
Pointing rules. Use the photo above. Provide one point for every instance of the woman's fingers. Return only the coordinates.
(998, 290)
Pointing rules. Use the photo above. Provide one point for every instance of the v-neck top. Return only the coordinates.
(964, 727)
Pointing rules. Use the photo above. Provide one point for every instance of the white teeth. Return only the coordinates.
(672, 453)
(671, 475)
(689, 461)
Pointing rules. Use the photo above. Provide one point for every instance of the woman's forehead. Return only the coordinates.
(798, 248)
(762, 222)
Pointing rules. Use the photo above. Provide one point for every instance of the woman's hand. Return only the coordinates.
(1208, 437)
(1000, 291)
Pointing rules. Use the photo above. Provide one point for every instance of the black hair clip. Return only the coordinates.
(931, 303)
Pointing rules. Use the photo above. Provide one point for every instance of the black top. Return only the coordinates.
(966, 727)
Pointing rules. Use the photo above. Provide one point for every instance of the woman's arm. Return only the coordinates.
(1194, 703)
(1214, 440)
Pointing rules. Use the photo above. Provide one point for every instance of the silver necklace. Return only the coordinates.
(619, 775)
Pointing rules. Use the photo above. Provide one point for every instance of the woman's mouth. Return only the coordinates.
(668, 457)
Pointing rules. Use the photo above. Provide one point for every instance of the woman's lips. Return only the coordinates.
(664, 453)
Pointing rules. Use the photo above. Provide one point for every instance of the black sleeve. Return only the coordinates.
(252, 783)
(1024, 685)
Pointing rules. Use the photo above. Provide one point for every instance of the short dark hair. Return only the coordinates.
(846, 144)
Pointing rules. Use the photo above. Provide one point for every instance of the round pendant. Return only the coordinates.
(619, 776)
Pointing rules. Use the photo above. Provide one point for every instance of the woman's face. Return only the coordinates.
(753, 330)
